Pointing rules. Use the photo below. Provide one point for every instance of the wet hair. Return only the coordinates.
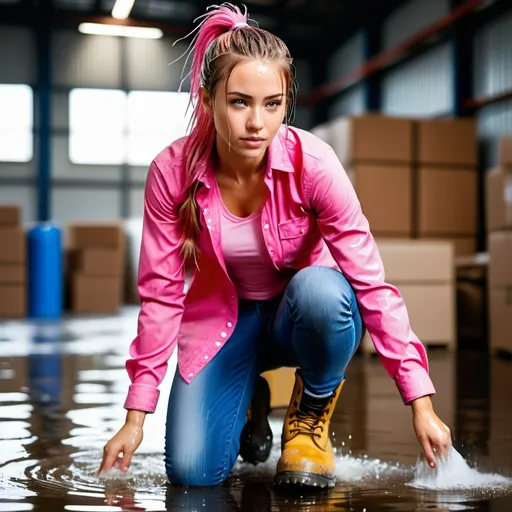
(223, 39)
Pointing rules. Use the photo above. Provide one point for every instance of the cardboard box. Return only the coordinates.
(96, 294)
(372, 138)
(281, 382)
(500, 254)
(500, 315)
(13, 274)
(385, 195)
(10, 215)
(423, 272)
(100, 235)
(12, 245)
(505, 151)
(97, 262)
(447, 201)
(498, 199)
(13, 301)
(416, 261)
(446, 142)
(431, 309)
(462, 245)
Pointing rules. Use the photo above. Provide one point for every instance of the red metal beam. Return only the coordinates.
(476, 103)
(388, 57)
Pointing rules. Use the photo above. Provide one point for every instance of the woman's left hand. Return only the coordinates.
(432, 433)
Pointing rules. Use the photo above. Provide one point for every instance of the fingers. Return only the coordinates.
(110, 454)
(127, 459)
(429, 452)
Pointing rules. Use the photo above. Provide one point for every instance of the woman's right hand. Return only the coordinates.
(126, 441)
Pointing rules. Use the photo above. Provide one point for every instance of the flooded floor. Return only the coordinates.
(61, 395)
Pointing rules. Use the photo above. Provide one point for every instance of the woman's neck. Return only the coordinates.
(237, 168)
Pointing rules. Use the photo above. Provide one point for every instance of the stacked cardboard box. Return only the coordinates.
(414, 179)
(376, 151)
(446, 173)
(13, 264)
(96, 267)
(499, 228)
(423, 272)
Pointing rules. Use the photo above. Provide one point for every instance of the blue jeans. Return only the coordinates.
(315, 326)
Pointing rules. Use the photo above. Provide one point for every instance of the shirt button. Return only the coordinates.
(223, 334)
(302, 231)
(190, 374)
(206, 357)
(205, 211)
(209, 221)
(230, 324)
(218, 343)
(265, 226)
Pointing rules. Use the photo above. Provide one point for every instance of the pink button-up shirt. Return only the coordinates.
(312, 217)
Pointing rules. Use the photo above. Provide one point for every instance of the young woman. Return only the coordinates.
(286, 273)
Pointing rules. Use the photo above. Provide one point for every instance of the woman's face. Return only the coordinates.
(249, 111)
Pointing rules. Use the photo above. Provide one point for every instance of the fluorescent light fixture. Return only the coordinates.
(100, 29)
(122, 8)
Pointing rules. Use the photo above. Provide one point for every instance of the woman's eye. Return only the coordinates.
(238, 102)
(274, 104)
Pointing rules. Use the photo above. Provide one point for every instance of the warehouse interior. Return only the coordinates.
(415, 99)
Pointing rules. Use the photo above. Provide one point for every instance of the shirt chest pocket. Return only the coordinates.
(294, 239)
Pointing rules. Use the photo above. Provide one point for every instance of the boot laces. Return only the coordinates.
(308, 424)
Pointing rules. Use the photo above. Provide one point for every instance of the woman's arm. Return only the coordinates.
(161, 282)
(346, 231)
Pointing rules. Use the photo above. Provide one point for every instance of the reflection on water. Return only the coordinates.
(61, 393)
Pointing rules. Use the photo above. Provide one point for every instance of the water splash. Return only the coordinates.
(454, 473)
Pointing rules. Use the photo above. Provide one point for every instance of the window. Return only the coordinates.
(110, 127)
(96, 126)
(16, 123)
(155, 119)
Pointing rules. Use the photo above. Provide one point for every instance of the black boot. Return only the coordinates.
(256, 437)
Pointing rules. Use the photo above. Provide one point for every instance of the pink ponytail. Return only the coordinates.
(223, 38)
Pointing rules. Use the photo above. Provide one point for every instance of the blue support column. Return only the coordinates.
(462, 58)
(44, 79)
(372, 84)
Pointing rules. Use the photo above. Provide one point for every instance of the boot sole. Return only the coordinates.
(303, 478)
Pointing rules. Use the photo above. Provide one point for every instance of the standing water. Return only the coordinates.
(61, 395)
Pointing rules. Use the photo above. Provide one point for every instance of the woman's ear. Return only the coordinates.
(206, 101)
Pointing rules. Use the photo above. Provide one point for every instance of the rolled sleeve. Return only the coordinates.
(414, 384)
(142, 398)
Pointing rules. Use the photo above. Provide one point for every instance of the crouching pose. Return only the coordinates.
(285, 273)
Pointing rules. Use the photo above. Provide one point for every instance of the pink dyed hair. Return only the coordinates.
(223, 39)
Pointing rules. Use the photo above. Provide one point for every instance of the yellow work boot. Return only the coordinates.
(307, 457)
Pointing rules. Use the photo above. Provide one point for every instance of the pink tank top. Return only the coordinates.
(247, 260)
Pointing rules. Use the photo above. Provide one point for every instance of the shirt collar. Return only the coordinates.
(278, 153)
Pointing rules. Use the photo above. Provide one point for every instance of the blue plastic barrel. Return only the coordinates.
(45, 272)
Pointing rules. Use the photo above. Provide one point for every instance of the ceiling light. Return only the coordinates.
(99, 29)
(122, 8)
